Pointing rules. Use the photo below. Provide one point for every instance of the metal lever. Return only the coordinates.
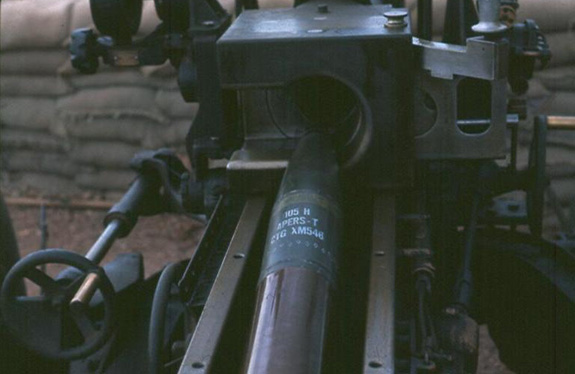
(561, 123)
(105, 241)
(85, 292)
(98, 251)
(119, 222)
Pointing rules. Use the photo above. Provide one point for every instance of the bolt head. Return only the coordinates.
(395, 18)
(395, 14)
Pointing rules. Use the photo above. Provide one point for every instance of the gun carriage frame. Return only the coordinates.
(388, 242)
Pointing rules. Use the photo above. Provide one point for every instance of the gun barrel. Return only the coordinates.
(300, 264)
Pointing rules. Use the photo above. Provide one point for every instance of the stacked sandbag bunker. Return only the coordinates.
(63, 133)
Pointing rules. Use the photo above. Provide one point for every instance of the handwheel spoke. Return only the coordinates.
(84, 323)
(40, 278)
(32, 299)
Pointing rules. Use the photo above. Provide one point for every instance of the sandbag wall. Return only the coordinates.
(64, 133)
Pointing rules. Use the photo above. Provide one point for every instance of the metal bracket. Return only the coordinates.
(202, 348)
(451, 77)
(379, 356)
(480, 59)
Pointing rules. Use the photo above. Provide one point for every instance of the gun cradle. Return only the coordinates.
(354, 82)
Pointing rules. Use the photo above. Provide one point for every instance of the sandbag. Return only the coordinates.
(80, 15)
(150, 19)
(30, 113)
(32, 62)
(120, 77)
(229, 5)
(551, 224)
(556, 155)
(34, 24)
(537, 90)
(46, 184)
(565, 189)
(174, 106)
(522, 157)
(562, 46)
(175, 134)
(105, 180)
(560, 155)
(35, 140)
(165, 71)
(560, 103)
(22, 85)
(551, 16)
(68, 70)
(564, 139)
(114, 155)
(439, 7)
(125, 130)
(558, 79)
(561, 171)
(112, 102)
(41, 162)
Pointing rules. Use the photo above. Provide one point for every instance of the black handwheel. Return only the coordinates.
(169, 319)
(9, 254)
(119, 19)
(537, 179)
(45, 323)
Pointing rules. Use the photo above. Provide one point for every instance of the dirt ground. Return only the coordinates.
(161, 239)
